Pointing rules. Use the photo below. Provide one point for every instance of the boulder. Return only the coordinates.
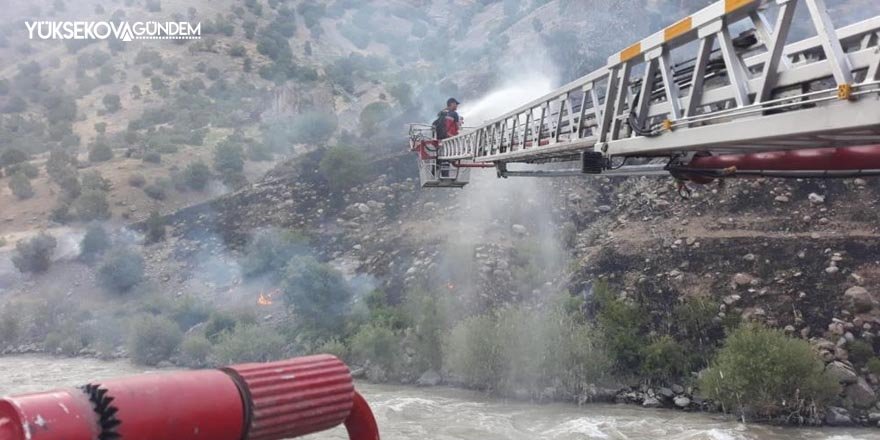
(666, 393)
(651, 402)
(842, 372)
(861, 394)
(836, 416)
(682, 401)
(816, 199)
(677, 389)
(519, 229)
(858, 299)
(429, 378)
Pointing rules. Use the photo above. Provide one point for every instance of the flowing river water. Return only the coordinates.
(407, 413)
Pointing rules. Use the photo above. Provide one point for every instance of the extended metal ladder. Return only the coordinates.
(732, 95)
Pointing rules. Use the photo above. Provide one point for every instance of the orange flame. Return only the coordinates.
(264, 300)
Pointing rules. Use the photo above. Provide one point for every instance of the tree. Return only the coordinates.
(197, 175)
(228, 157)
(317, 293)
(155, 228)
(372, 115)
(314, 128)
(92, 205)
(112, 103)
(153, 339)
(343, 167)
(12, 156)
(93, 180)
(21, 186)
(100, 151)
(94, 243)
(121, 269)
(34, 254)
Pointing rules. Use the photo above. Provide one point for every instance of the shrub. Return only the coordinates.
(137, 180)
(93, 180)
(372, 115)
(26, 168)
(317, 293)
(155, 227)
(195, 351)
(335, 347)
(12, 156)
(763, 373)
(378, 345)
(860, 352)
(10, 324)
(270, 250)
(249, 343)
(61, 211)
(217, 324)
(228, 157)
(621, 325)
(314, 127)
(34, 254)
(121, 269)
(158, 190)
(197, 175)
(873, 366)
(92, 205)
(94, 243)
(665, 359)
(152, 157)
(235, 181)
(153, 339)
(100, 152)
(112, 103)
(521, 348)
(21, 186)
(343, 167)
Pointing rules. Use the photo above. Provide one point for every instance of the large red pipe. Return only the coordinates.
(814, 159)
(269, 401)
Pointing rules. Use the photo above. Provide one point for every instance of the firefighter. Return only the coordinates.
(448, 122)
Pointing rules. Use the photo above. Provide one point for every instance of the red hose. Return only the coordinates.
(269, 401)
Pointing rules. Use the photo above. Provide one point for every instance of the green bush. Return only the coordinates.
(92, 205)
(522, 348)
(61, 211)
(152, 157)
(621, 324)
(372, 115)
(270, 250)
(197, 175)
(860, 352)
(94, 243)
(219, 323)
(188, 311)
(377, 344)
(762, 373)
(11, 325)
(100, 151)
(12, 156)
(873, 366)
(314, 128)
(93, 180)
(335, 347)
(34, 254)
(343, 167)
(228, 157)
(121, 269)
(158, 190)
(318, 294)
(195, 350)
(21, 186)
(155, 227)
(112, 103)
(249, 343)
(137, 180)
(28, 169)
(153, 339)
(665, 359)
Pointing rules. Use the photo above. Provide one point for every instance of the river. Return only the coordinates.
(407, 413)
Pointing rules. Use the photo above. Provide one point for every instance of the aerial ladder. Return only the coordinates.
(696, 102)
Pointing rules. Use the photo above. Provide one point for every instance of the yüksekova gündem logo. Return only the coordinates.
(121, 30)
